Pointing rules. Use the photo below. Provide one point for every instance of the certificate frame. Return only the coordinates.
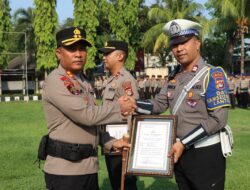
(151, 134)
(117, 131)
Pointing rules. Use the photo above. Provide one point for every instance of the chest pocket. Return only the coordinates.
(194, 103)
(171, 92)
(110, 94)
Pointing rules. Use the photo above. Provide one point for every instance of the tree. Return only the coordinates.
(163, 12)
(69, 22)
(24, 22)
(45, 28)
(5, 26)
(85, 13)
(232, 15)
(123, 19)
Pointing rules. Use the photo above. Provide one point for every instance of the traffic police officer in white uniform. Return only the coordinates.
(202, 112)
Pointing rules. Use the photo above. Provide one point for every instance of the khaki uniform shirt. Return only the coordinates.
(193, 110)
(72, 116)
(153, 84)
(244, 85)
(119, 85)
(232, 86)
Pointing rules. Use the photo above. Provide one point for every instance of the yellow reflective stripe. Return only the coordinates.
(225, 105)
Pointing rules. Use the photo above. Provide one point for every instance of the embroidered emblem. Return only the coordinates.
(219, 80)
(217, 90)
(77, 33)
(73, 88)
(127, 87)
(192, 103)
(175, 29)
(195, 68)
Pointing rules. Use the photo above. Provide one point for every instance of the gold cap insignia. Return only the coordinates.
(106, 44)
(77, 33)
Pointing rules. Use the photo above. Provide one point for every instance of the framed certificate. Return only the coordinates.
(117, 131)
(152, 137)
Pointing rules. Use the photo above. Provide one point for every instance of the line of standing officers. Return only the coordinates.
(148, 86)
(239, 91)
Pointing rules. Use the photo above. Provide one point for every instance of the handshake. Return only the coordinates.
(127, 105)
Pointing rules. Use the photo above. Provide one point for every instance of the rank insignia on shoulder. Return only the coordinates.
(127, 87)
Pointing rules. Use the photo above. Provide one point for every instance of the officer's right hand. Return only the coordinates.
(127, 105)
(176, 151)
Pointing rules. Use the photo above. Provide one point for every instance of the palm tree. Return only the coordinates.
(164, 12)
(233, 20)
(24, 22)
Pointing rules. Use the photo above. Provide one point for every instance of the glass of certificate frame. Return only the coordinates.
(152, 137)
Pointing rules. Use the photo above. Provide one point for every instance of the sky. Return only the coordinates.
(64, 7)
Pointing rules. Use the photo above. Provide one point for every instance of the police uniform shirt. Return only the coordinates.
(193, 110)
(232, 86)
(119, 85)
(244, 85)
(72, 116)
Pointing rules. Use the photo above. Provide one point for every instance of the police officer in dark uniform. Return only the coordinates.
(72, 117)
(243, 89)
(120, 83)
(201, 107)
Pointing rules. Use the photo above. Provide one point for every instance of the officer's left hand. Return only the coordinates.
(176, 151)
(120, 143)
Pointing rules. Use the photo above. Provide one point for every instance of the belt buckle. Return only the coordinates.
(75, 147)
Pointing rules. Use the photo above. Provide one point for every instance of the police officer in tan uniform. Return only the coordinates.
(202, 112)
(147, 87)
(120, 83)
(72, 118)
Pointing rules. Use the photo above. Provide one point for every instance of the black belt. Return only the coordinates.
(70, 151)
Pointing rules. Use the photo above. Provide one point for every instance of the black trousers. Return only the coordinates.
(114, 166)
(68, 182)
(201, 169)
(244, 99)
(232, 100)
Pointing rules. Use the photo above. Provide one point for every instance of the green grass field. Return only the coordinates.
(22, 124)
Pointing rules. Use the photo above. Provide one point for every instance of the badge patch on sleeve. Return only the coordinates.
(127, 87)
(217, 90)
(71, 86)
